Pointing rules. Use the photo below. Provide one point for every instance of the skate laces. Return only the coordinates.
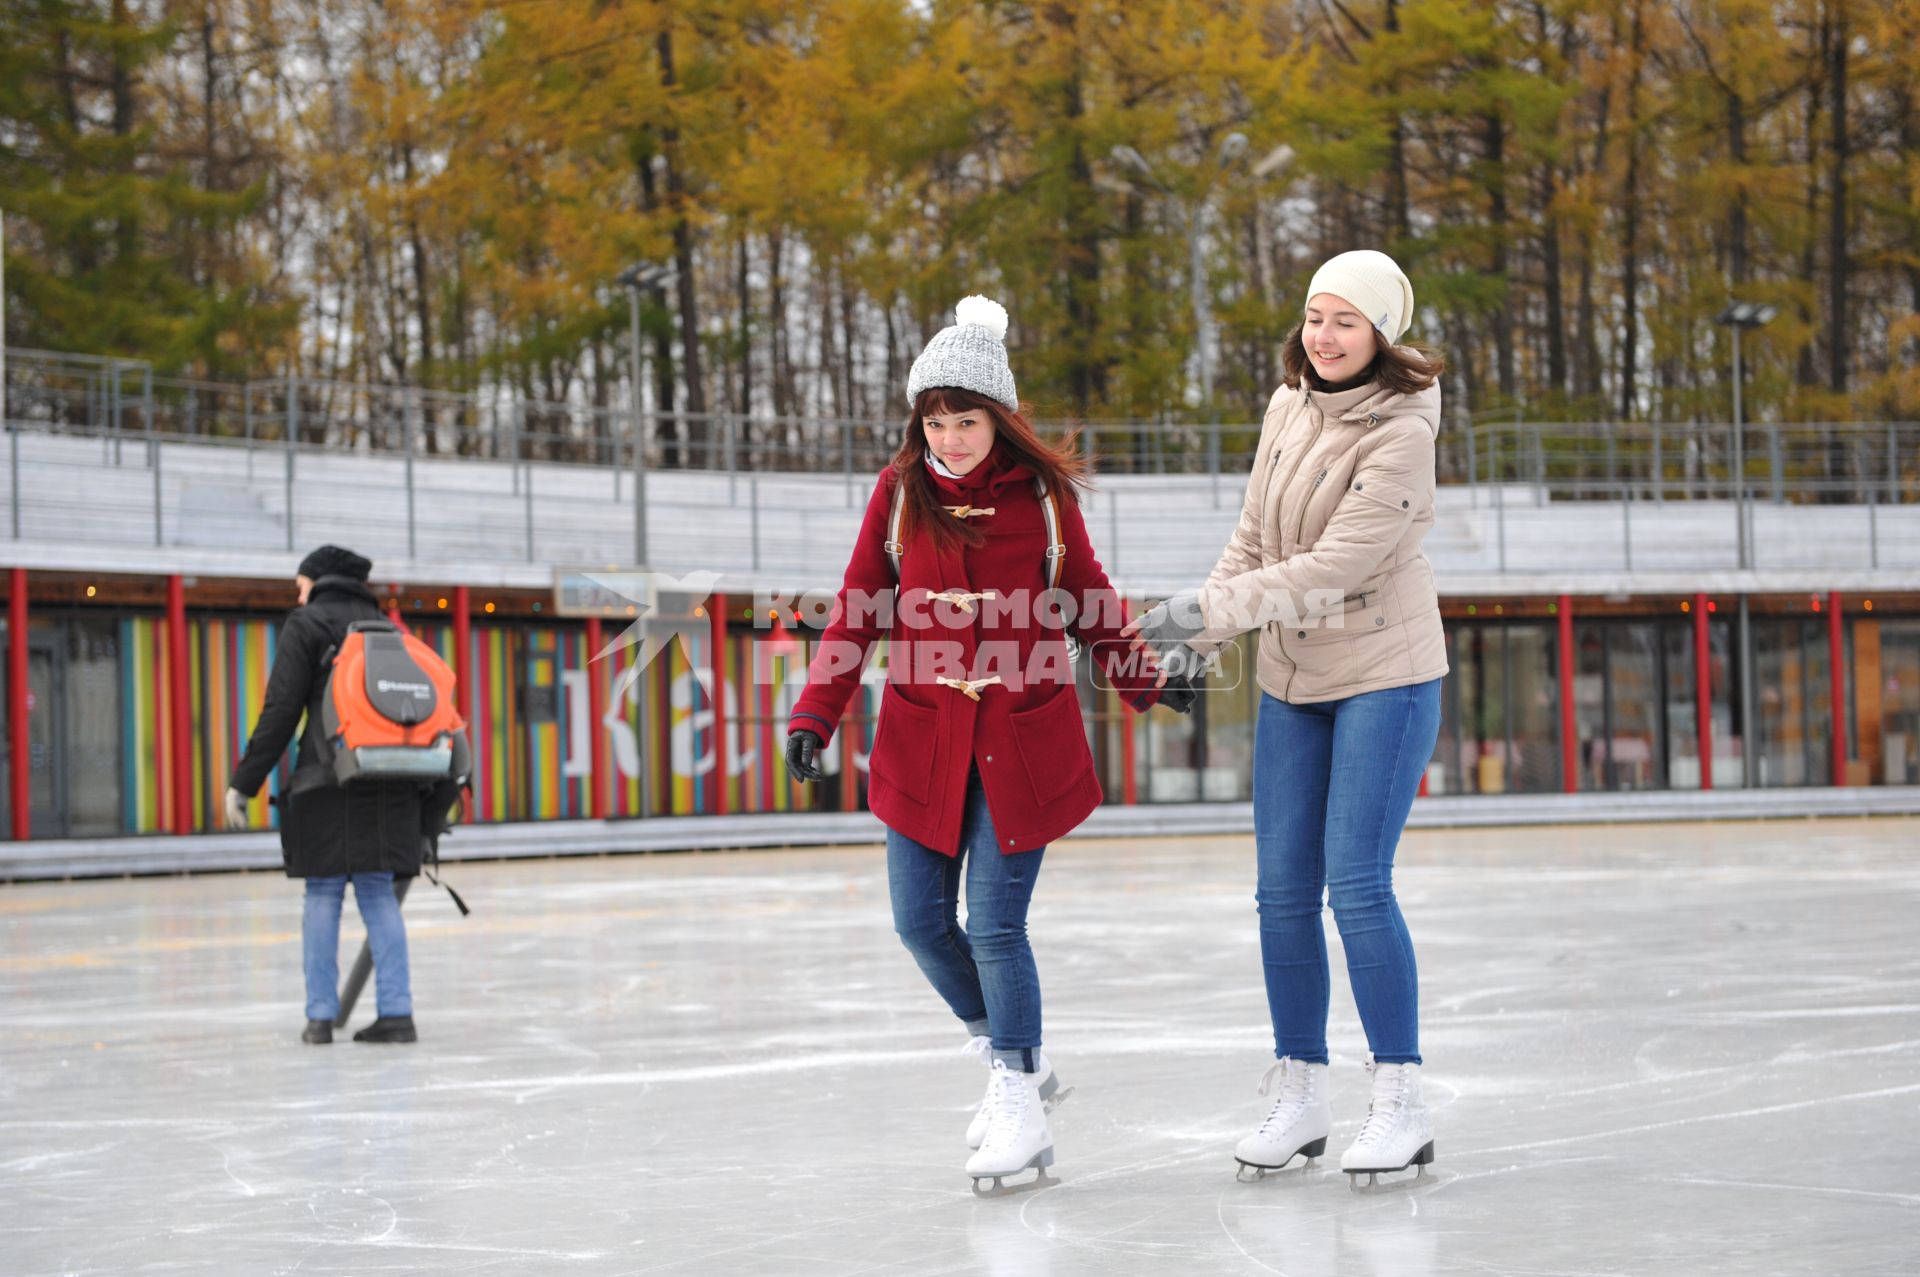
(1295, 1091)
(978, 1047)
(1391, 1083)
(1007, 1099)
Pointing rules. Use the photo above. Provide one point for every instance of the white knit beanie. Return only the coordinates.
(1372, 283)
(971, 355)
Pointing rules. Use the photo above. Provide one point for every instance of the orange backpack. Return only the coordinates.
(388, 711)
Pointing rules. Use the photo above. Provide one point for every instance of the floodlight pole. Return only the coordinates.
(639, 436)
(1739, 457)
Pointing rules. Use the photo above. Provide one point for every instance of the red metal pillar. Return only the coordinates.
(180, 726)
(849, 776)
(463, 684)
(463, 653)
(1129, 789)
(596, 730)
(717, 622)
(20, 756)
(1837, 697)
(1569, 732)
(1703, 689)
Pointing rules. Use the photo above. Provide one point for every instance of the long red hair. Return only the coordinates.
(1060, 464)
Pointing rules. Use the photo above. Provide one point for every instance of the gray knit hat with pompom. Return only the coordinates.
(971, 355)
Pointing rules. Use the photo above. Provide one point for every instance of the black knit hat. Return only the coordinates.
(333, 560)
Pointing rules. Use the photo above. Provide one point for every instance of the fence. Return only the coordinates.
(132, 419)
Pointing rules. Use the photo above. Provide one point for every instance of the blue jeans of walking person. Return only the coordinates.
(1332, 786)
(984, 970)
(386, 936)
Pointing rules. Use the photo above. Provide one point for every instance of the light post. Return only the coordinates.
(1739, 316)
(636, 277)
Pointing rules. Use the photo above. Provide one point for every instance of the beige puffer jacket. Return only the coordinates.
(1326, 561)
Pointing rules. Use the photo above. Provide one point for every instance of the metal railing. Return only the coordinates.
(1500, 465)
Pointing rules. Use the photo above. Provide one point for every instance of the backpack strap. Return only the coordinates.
(1056, 546)
(1049, 510)
(896, 518)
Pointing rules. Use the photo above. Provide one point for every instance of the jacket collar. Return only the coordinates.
(994, 473)
(345, 586)
(1371, 404)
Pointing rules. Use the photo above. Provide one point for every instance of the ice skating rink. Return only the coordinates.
(1680, 1049)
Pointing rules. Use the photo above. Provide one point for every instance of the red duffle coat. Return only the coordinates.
(1024, 734)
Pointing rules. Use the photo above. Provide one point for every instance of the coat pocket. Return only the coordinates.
(1053, 744)
(905, 743)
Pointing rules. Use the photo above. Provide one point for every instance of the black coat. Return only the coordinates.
(326, 829)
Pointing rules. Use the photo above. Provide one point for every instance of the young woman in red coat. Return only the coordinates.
(973, 560)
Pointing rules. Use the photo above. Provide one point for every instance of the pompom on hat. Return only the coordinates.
(971, 355)
(1373, 284)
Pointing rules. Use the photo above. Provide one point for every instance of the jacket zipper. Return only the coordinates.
(1318, 428)
(1288, 482)
(1300, 527)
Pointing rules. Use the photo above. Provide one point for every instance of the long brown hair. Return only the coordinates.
(1402, 369)
(1060, 464)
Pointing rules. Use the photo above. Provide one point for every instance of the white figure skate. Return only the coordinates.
(1052, 1094)
(1016, 1138)
(1298, 1123)
(1398, 1132)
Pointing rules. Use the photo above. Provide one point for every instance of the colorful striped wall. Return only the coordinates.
(532, 722)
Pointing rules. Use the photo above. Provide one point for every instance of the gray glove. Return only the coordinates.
(1167, 629)
(1177, 620)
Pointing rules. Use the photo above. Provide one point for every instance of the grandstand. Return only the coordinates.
(1620, 608)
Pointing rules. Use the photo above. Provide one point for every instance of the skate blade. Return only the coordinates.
(1254, 1172)
(1048, 1103)
(997, 1186)
(1419, 1163)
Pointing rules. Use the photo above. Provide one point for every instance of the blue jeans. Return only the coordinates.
(1332, 786)
(985, 971)
(386, 936)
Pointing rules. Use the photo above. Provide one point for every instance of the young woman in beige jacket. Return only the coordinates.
(1326, 564)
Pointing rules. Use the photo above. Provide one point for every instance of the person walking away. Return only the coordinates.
(366, 834)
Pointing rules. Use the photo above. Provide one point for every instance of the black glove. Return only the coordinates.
(803, 751)
(1179, 694)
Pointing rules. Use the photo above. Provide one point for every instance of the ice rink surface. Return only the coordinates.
(1689, 1049)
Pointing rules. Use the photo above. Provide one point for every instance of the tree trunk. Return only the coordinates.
(1086, 381)
(417, 250)
(1805, 373)
(685, 294)
(663, 402)
(1556, 320)
(1494, 142)
(1397, 156)
(1630, 226)
(780, 366)
(1838, 348)
(1737, 266)
(744, 295)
